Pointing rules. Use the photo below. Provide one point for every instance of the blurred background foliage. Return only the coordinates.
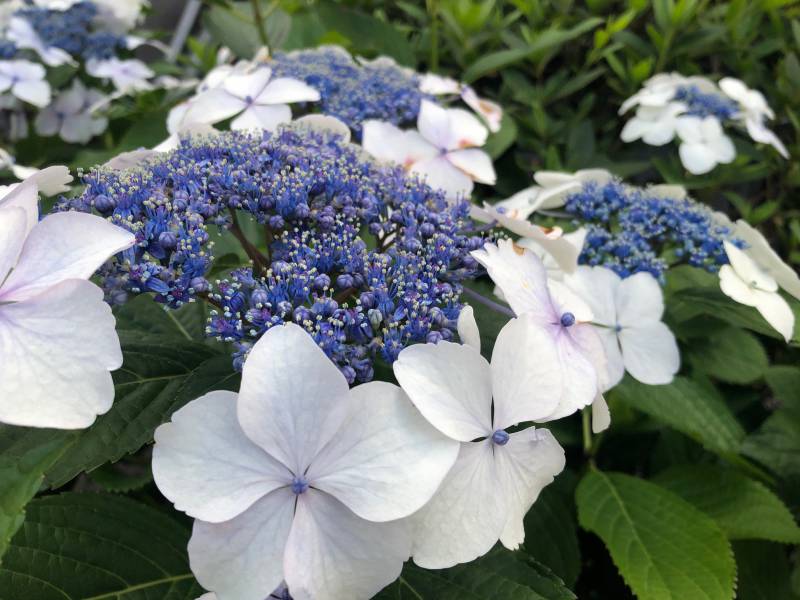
(561, 69)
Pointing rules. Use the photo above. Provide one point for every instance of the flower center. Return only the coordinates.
(299, 485)
(500, 437)
(567, 319)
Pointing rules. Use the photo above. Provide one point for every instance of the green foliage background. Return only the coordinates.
(694, 492)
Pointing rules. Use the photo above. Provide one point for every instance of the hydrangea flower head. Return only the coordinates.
(365, 258)
(353, 92)
(632, 229)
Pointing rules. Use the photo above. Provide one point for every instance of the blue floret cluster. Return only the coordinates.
(633, 229)
(354, 92)
(701, 104)
(73, 30)
(367, 259)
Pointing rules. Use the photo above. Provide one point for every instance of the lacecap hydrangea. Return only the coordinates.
(364, 257)
(353, 92)
(73, 30)
(631, 229)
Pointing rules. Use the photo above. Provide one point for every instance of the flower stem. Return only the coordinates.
(587, 432)
(259, 260)
(503, 310)
(433, 11)
(259, 22)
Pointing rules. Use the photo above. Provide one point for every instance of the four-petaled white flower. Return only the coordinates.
(746, 282)
(22, 33)
(25, 80)
(260, 101)
(443, 151)
(129, 75)
(754, 110)
(70, 116)
(627, 317)
(654, 125)
(298, 478)
(522, 279)
(57, 338)
(703, 144)
(497, 478)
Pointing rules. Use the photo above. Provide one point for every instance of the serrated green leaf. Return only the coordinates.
(25, 455)
(731, 355)
(664, 548)
(97, 547)
(159, 375)
(500, 574)
(694, 409)
(743, 508)
(551, 530)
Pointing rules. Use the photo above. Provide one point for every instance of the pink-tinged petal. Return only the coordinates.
(475, 163)
(521, 276)
(56, 351)
(465, 130)
(601, 416)
(491, 112)
(433, 124)
(451, 386)
(466, 516)
(63, 246)
(289, 391)
(266, 117)
(650, 352)
(526, 379)
(241, 559)
(440, 174)
(332, 553)
(386, 142)
(12, 236)
(525, 465)
(285, 90)
(385, 460)
(205, 464)
(582, 362)
(467, 327)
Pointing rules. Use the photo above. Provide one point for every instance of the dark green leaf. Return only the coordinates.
(692, 408)
(731, 355)
(743, 508)
(158, 377)
(763, 570)
(664, 548)
(97, 547)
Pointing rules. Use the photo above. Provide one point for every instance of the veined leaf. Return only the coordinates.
(731, 355)
(97, 547)
(25, 455)
(664, 548)
(743, 508)
(692, 408)
(158, 377)
(500, 574)
(764, 572)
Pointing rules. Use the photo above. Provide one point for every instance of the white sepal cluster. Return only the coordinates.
(444, 149)
(57, 338)
(662, 114)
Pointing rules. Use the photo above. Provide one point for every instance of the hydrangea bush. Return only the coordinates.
(401, 317)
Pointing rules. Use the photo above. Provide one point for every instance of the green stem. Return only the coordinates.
(259, 22)
(587, 431)
(433, 11)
